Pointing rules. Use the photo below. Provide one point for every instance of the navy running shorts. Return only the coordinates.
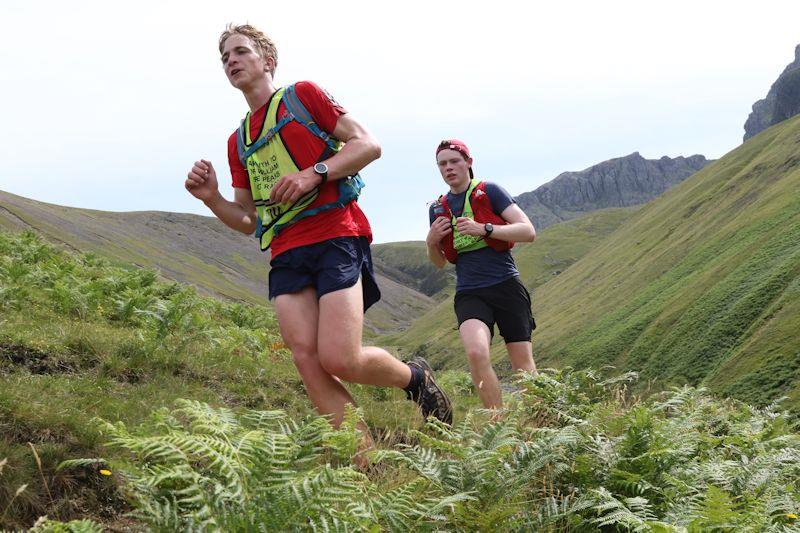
(507, 304)
(327, 266)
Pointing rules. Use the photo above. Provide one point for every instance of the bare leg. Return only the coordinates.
(341, 319)
(477, 341)
(521, 356)
(298, 315)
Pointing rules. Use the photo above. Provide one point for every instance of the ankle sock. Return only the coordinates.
(417, 375)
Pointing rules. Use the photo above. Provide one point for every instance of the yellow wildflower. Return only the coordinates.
(105, 472)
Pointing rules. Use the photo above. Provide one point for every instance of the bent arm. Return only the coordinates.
(240, 214)
(519, 227)
(436, 255)
(440, 227)
(359, 150)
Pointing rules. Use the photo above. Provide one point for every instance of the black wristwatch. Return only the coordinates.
(322, 170)
(488, 228)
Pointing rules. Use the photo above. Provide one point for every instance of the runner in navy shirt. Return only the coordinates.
(477, 236)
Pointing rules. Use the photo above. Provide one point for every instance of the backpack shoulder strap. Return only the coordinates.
(240, 143)
(298, 112)
(442, 200)
(295, 111)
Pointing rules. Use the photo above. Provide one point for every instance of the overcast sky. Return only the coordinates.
(106, 105)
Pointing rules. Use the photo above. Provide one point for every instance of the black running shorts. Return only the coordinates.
(508, 304)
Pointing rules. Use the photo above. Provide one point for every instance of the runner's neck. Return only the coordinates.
(460, 188)
(259, 95)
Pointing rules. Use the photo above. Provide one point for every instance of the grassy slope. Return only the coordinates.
(701, 285)
(407, 263)
(555, 249)
(70, 350)
(189, 248)
(80, 338)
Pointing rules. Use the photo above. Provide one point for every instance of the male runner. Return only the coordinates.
(474, 226)
(321, 276)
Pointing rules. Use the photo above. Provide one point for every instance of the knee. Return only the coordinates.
(478, 356)
(339, 365)
(304, 360)
(523, 363)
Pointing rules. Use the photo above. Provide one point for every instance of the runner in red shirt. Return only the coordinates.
(305, 149)
(321, 276)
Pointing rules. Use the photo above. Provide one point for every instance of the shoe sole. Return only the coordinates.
(423, 364)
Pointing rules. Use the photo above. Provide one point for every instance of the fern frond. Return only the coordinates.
(205, 419)
(78, 463)
(633, 513)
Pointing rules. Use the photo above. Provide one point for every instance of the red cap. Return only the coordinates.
(458, 146)
(454, 144)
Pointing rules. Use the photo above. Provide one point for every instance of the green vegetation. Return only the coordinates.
(407, 263)
(81, 338)
(700, 286)
(186, 248)
(556, 248)
(190, 249)
(200, 421)
(573, 452)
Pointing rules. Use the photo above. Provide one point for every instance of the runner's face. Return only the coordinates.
(454, 168)
(242, 64)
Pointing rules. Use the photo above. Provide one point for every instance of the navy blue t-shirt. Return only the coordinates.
(484, 267)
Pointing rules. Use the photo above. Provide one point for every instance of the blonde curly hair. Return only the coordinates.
(263, 44)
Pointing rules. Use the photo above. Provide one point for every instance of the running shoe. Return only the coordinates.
(429, 396)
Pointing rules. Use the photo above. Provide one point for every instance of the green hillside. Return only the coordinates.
(127, 404)
(702, 285)
(556, 248)
(407, 263)
(188, 248)
(81, 338)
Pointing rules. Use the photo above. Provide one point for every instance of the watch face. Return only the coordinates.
(321, 168)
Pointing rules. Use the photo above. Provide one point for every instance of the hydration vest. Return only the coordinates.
(478, 207)
(267, 159)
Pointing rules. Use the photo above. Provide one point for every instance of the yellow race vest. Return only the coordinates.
(265, 166)
(467, 243)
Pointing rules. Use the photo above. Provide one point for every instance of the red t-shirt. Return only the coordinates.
(305, 149)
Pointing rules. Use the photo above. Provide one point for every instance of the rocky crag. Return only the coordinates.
(619, 182)
(782, 101)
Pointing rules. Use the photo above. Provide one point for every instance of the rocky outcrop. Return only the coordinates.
(620, 182)
(782, 101)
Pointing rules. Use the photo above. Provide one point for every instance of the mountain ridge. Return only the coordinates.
(700, 286)
(617, 182)
(782, 100)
